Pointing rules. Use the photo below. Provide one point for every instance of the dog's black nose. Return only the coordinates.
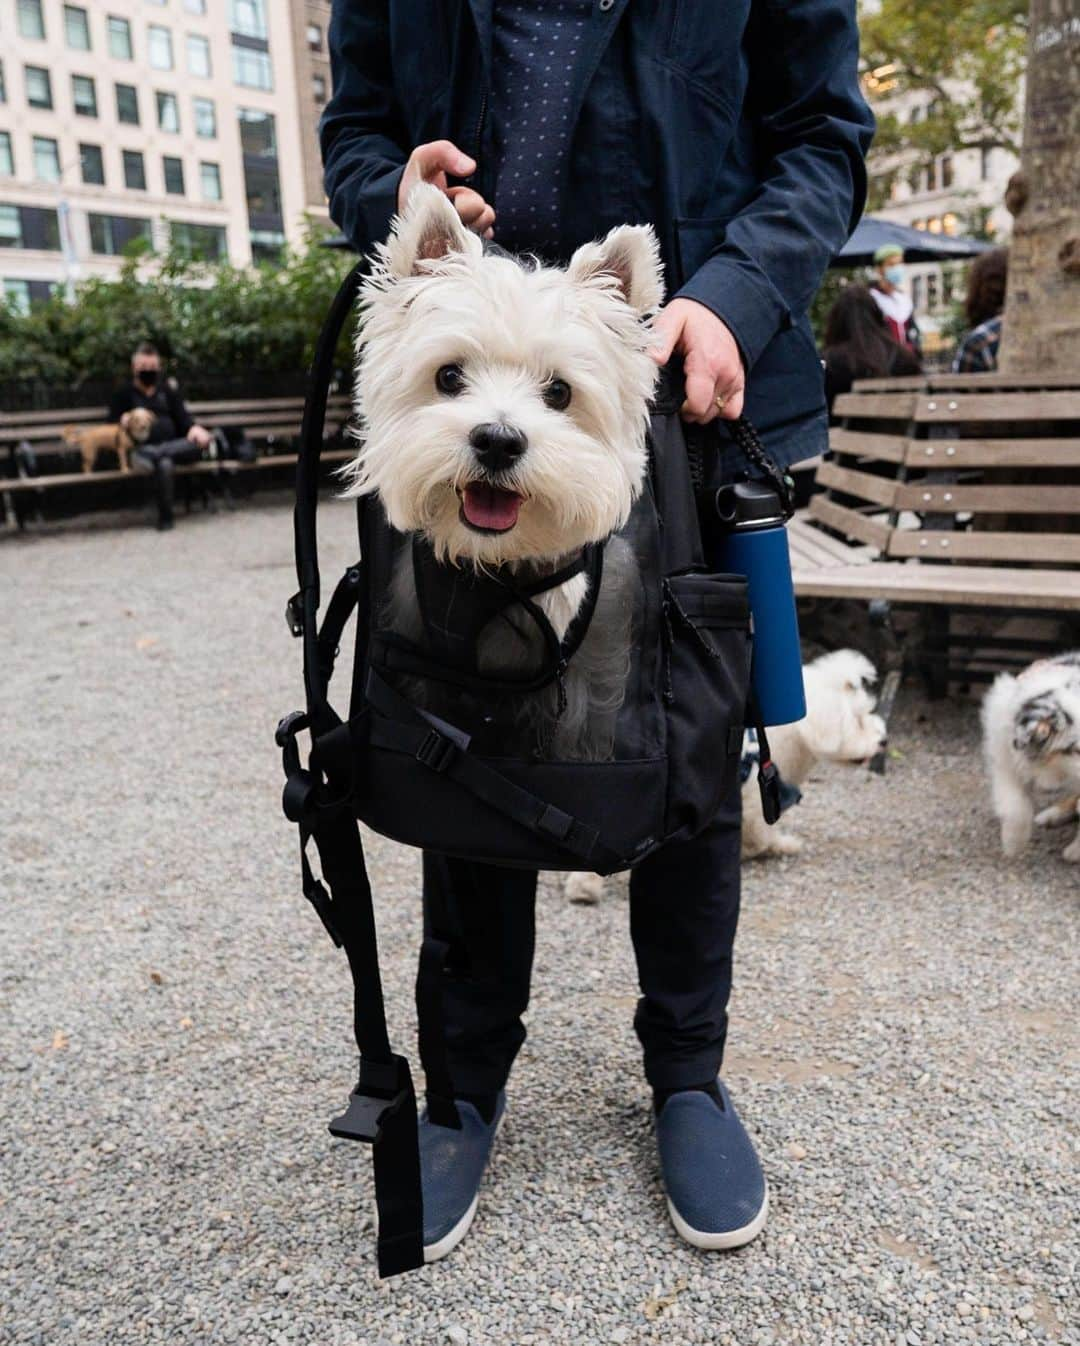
(497, 446)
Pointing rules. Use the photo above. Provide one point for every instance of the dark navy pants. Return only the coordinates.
(684, 908)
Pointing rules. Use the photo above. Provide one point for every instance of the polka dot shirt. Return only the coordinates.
(535, 48)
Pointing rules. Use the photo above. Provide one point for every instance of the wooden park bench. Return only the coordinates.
(956, 496)
(271, 424)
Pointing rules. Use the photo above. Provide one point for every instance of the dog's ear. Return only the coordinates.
(428, 229)
(631, 255)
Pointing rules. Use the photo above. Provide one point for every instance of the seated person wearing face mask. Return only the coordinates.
(175, 438)
(887, 288)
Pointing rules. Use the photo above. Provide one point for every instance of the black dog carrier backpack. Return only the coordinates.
(504, 758)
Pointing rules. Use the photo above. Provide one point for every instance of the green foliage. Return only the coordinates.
(208, 319)
(968, 55)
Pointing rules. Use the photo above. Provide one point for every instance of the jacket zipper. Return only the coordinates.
(480, 124)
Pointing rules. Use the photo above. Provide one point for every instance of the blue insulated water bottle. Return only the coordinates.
(754, 543)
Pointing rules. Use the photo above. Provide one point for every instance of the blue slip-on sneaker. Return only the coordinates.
(717, 1194)
(452, 1162)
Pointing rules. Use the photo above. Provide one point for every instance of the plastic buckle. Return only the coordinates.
(294, 614)
(289, 726)
(363, 1117)
(436, 751)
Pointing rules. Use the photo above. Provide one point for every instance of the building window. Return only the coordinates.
(119, 31)
(946, 171)
(168, 112)
(29, 227)
(134, 171)
(248, 17)
(93, 165)
(84, 95)
(76, 28)
(984, 162)
(916, 293)
(38, 87)
(258, 143)
(113, 235)
(160, 47)
(17, 296)
(195, 6)
(174, 175)
(314, 37)
(7, 159)
(198, 56)
(931, 291)
(127, 104)
(203, 242)
(46, 159)
(932, 176)
(252, 69)
(210, 181)
(3, 86)
(31, 20)
(205, 117)
(318, 89)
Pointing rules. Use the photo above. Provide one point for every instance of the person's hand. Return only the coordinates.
(200, 437)
(431, 163)
(711, 360)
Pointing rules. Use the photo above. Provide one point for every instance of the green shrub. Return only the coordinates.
(211, 321)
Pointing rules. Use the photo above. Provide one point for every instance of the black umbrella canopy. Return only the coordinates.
(918, 244)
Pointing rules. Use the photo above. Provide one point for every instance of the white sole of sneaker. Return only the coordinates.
(436, 1251)
(730, 1238)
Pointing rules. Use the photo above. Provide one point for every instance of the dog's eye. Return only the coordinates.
(557, 394)
(450, 379)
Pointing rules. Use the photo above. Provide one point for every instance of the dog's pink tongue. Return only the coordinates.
(490, 507)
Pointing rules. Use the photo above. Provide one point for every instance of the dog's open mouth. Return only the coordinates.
(489, 509)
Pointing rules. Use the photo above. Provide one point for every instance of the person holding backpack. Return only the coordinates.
(740, 137)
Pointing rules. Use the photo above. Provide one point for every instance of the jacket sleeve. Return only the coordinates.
(813, 129)
(178, 411)
(362, 137)
(120, 402)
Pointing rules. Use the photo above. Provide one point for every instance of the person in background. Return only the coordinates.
(895, 304)
(175, 437)
(978, 352)
(859, 344)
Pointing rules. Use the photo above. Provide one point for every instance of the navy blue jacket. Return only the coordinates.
(735, 127)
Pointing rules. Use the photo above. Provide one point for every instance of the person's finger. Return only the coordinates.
(733, 403)
(700, 392)
(473, 210)
(442, 156)
(489, 233)
(666, 331)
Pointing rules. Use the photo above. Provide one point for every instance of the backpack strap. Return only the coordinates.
(382, 1107)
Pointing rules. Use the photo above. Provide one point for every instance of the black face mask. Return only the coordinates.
(148, 378)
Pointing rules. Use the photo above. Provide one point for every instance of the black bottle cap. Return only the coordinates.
(748, 504)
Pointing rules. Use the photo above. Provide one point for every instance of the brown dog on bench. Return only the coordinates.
(133, 430)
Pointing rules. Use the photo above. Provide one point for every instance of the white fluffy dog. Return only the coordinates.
(504, 409)
(1031, 741)
(840, 726)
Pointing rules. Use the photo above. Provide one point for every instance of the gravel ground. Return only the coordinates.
(175, 1027)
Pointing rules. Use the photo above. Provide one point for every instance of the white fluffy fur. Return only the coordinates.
(1031, 743)
(434, 299)
(840, 726)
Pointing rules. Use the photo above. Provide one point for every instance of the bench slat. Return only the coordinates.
(989, 546)
(225, 465)
(881, 490)
(892, 406)
(946, 409)
(1004, 499)
(960, 586)
(867, 444)
(1021, 382)
(958, 452)
(873, 532)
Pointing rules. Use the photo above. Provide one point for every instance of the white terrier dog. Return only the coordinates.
(1031, 740)
(840, 726)
(504, 407)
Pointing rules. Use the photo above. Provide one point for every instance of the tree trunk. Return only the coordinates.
(1042, 311)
